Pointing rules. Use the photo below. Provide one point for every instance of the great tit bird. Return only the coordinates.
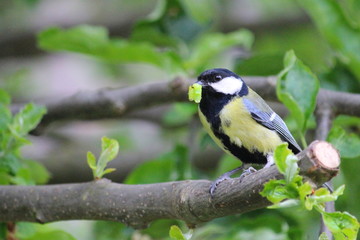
(240, 121)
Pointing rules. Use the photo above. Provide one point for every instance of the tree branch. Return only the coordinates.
(115, 103)
(138, 205)
(324, 117)
(23, 43)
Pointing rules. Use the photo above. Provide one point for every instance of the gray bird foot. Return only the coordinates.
(227, 175)
(247, 172)
(215, 183)
(223, 177)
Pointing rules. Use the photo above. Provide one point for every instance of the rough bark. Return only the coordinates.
(138, 205)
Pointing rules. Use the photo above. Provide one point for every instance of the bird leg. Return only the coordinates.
(227, 175)
(270, 161)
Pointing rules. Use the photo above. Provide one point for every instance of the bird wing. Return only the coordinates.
(263, 114)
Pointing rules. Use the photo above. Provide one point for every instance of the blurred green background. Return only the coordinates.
(52, 49)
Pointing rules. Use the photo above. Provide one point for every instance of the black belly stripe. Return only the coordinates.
(211, 105)
(241, 153)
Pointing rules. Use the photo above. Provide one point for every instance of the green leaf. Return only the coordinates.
(107, 230)
(5, 118)
(321, 192)
(160, 228)
(285, 204)
(323, 236)
(347, 121)
(210, 45)
(4, 98)
(322, 195)
(110, 149)
(342, 35)
(304, 190)
(151, 31)
(172, 166)
(94, 41)
(25, 230)
(5, 178)
(53, 235)
(275, 191)
(3, 230)
(91, 160)
(180, 113)
(27, 119)
(109, 170)
(309, 203)
(348, 83)
(280, 155)
(339, 191)
(38, 173)
(291, 167)
(176, 233)
(158, 170)
(32, 231)
(170, 24)
(23, 177)
(297, 88)
(347, 143)
(342, 224)
(202, 11)
(182, 163)
(10, 162)
(271, 64)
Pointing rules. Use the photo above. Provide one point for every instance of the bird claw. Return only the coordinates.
(227, 175)
(215, 183)
(247, 172)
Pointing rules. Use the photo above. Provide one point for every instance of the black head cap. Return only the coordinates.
(222, 81)
(216, 74)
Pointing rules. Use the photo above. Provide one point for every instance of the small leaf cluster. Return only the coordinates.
(159, 39)
(292, 191)
(336, 23)
(14, 169)
(297, 87)
(109, 150)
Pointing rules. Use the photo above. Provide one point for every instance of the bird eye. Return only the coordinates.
(218, 77)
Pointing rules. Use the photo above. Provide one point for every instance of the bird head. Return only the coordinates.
(222, 81)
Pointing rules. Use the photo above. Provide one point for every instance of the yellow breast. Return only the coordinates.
(244, 131)
(207, 127)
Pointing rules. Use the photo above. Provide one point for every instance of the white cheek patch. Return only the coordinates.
(228, 85)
